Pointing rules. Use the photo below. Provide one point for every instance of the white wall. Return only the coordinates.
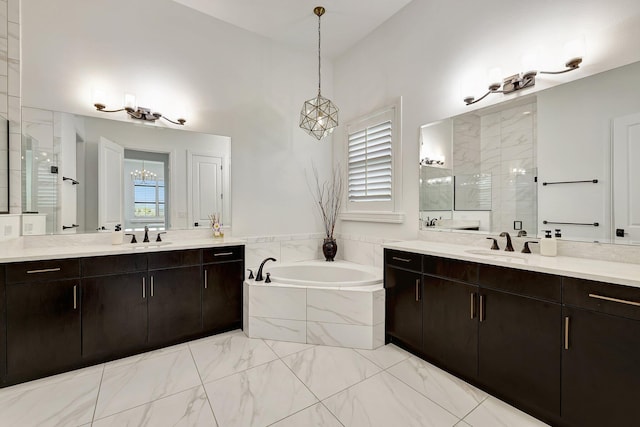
(430, 47)
(230, 81)
(574, 131)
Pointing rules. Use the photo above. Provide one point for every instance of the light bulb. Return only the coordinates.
(574, 49)
(130, 101)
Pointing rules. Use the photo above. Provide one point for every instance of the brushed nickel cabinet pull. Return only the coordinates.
(473, 305)
(223, 254)
(44, 270)
(566, 333)
(481, 307)
(401, 259)
(144, 285)
(621, 301)
(205, 279)
(417, 289)
(75, 296)
(151, 285)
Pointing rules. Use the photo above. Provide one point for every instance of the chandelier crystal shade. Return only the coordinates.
(319, 116)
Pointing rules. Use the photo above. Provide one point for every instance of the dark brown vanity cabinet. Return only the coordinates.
(223, 274)
(520, 328)
(114, 306)
(174, 296)
(404, 291)
(42, 318)
(59, 315)
(600, 354)
(450, 326)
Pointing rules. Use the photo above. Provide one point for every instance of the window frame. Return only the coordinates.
(375, 211)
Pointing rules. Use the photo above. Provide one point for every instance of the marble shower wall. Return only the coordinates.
(508, 154)
(10, 93)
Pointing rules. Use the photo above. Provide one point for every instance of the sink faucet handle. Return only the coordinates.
(526, 249)
(250, 273)
(158, 239)
(494, 245)
(268, 279)
(133, 237)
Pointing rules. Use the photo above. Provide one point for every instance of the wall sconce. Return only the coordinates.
(521, 81)
(429, 162)
(138, 113)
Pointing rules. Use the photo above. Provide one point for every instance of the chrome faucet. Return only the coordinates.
(259, 277)
(146, 234)
(509, 247)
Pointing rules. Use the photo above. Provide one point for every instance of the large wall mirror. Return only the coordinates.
(85, 174)
(564, 158)
(4, 165)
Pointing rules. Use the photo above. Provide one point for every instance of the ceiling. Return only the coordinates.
(293, 23)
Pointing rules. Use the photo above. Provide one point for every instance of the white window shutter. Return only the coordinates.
(370, 163)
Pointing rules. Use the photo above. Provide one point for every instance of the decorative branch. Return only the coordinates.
(328, 196)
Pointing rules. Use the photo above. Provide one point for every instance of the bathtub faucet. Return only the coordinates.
(259, 277)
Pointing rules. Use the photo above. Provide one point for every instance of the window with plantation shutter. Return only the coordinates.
(373, 179)
(370, 163)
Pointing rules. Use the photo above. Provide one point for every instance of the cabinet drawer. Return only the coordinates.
(451, 268)
(521, 282)
(603, 297)
(407, 260)
(173, 259)
(51, 269)
(113, 264)
(224, 253)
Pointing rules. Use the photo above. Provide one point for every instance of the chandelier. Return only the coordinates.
(319, 116)
(143, 175)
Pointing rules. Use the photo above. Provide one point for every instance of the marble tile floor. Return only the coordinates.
(232, 380)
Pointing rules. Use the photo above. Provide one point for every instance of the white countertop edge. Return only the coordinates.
(581, 268)
(83, 251)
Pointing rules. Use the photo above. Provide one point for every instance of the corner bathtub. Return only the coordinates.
(317, 302)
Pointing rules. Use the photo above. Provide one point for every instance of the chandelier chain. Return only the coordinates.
(319, 17)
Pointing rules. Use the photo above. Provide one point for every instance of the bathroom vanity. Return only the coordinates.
(556, 337)
(73, 311)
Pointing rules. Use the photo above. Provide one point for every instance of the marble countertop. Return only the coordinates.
(11, 253)
(582, 268)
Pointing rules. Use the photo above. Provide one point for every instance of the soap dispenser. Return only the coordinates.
(548, 245)
(117, 235)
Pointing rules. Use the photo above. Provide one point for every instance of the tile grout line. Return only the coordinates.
(203, 387)
(95, 407)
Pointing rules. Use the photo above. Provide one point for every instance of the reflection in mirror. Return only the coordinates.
(85, 174)
(487, 168)
(4, 165)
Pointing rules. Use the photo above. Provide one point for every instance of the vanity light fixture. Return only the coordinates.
(522, 81)
(138, 113)
(319, 116)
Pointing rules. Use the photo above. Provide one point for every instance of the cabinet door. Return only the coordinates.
(600, 369)
(114, 314)
(404, 306)
(43, 327)
(174, 304)
(222, 296)
(519, 351)
(450, 327)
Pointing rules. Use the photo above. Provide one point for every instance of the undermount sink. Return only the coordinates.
(148, 245)
(507, 256)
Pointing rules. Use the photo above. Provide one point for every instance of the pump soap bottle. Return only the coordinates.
(117, 236)
(548, 245)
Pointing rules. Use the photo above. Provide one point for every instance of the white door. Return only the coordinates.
(110, 183)
(626, 179)
(205, 188)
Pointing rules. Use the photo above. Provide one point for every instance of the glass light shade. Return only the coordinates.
(98, 96)
(494, 76)
(574, 49)
(129, 100)
(529, 62)
(319, 117)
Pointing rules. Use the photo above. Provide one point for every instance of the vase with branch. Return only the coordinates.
(328, 197)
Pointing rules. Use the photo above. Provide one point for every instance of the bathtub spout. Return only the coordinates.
(259, 277)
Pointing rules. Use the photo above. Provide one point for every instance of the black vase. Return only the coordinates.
(329, 249)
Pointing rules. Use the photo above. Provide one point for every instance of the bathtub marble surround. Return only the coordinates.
(343, 317)
(288, 385)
